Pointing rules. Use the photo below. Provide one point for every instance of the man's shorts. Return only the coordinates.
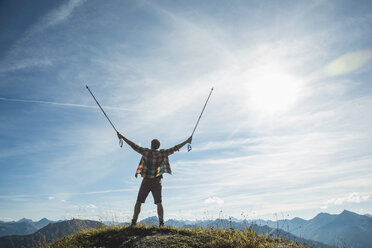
(147, 185)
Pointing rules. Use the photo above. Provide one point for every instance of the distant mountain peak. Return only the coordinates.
(347, 213)
(321, 215)
(25, 220)
(298, 219)
(44, 220)
(150, 218)
(153, 220)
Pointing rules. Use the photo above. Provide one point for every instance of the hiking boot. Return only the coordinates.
(134, 222)
(161, 223)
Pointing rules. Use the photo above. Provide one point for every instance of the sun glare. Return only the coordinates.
(272, 92)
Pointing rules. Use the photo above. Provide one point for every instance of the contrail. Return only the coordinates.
(66, 194)
(60, 104)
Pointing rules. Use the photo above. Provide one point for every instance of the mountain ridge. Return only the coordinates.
(23, 226)
(48, 233)
(347, 228)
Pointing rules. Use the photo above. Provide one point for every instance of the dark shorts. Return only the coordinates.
(147, 185)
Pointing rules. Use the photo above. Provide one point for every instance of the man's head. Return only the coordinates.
(155, 144)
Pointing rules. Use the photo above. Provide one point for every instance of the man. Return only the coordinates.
(154, 163)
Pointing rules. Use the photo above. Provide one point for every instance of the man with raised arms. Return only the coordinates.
(154, 163)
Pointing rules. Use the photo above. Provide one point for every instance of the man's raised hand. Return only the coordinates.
(120, 136)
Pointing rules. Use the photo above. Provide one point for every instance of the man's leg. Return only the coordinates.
(160, 214)
(156, 193)
(137, 210)
(142, 195)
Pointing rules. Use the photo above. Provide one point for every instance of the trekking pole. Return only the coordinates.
(120, 140)
(189, 148)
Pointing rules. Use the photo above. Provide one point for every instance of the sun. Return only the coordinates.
(272, 91)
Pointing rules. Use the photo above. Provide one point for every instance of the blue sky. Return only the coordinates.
(286, 132)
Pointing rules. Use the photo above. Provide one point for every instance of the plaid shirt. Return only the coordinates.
(153, 163)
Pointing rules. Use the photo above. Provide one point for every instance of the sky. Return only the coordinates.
(286, 132)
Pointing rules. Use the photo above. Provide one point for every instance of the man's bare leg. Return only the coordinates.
(137, 210)
(160, 214)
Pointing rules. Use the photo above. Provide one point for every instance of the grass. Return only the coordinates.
(150, 236)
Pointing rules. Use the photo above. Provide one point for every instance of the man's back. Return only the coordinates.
(154, 163)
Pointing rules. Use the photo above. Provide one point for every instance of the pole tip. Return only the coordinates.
(86, 86)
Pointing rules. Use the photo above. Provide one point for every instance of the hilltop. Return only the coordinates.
(150, 236)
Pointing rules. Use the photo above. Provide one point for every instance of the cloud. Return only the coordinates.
(87, 206)
(62, 13)
(214, 200)
(51, 198)
(58, 15)
(17, 57)
(352, 198)
(6, 219)
(25, 63)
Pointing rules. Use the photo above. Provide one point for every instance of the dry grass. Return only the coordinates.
(149, 236)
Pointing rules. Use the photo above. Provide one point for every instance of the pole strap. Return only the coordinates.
(189, 147)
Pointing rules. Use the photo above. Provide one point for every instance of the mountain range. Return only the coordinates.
(47, 234)
(23, 226)
(346, 229)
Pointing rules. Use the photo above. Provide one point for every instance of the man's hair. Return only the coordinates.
(155, 144)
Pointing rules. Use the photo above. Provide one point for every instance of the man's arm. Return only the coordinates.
(130, 143)
(179, 146)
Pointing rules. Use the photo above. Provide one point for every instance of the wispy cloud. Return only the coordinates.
(89, 206)
(15, 58)
(58, 15)
(62, 104)
(214, 200)
(354, 197)
(25, 63)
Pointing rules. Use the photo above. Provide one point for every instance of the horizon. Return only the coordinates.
(285, 132)
(193, 220)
